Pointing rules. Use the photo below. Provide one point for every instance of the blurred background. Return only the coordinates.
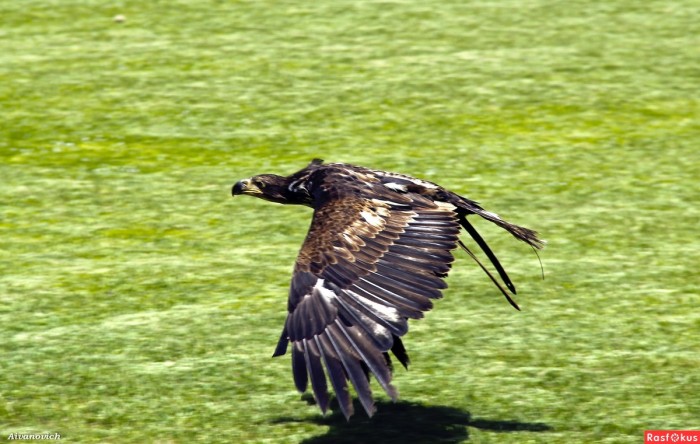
(140, 303)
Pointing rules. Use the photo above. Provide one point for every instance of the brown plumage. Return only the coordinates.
(377, 252)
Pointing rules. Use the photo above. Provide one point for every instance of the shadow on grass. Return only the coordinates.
(409, 423)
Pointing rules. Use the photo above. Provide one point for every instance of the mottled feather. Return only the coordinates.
(377, 252)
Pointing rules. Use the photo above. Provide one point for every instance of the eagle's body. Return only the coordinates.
(377, 251)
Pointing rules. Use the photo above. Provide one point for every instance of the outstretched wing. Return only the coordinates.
(369, 263)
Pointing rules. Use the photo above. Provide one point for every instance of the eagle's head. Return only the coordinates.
(265, 186)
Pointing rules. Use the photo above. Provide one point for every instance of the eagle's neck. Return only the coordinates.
(299, 190)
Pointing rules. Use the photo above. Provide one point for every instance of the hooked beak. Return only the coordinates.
(245, 186)
(239, 187)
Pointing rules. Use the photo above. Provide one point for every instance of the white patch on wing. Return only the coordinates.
(353, 240)
(384, 212)
(372, 219)
(423, 183)
(382, 205)
(396, 186)
(377, 329)
(384, 311)
(445, 205)
(419, 182)
(323, 291)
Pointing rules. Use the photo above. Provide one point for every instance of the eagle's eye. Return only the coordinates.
(259, 184)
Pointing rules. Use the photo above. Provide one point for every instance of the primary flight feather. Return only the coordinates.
(377, 252)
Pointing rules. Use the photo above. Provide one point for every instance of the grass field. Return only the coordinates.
(140, 303)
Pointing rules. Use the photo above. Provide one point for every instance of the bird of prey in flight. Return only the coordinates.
(376, 255)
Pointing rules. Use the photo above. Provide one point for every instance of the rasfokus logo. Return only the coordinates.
(671, 436)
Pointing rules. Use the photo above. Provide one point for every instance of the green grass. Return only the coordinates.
(140, 303)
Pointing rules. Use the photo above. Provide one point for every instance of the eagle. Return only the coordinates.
(376, 255)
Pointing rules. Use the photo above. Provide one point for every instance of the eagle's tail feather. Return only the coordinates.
(493, 279)
(487, 250)
(521, 233)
